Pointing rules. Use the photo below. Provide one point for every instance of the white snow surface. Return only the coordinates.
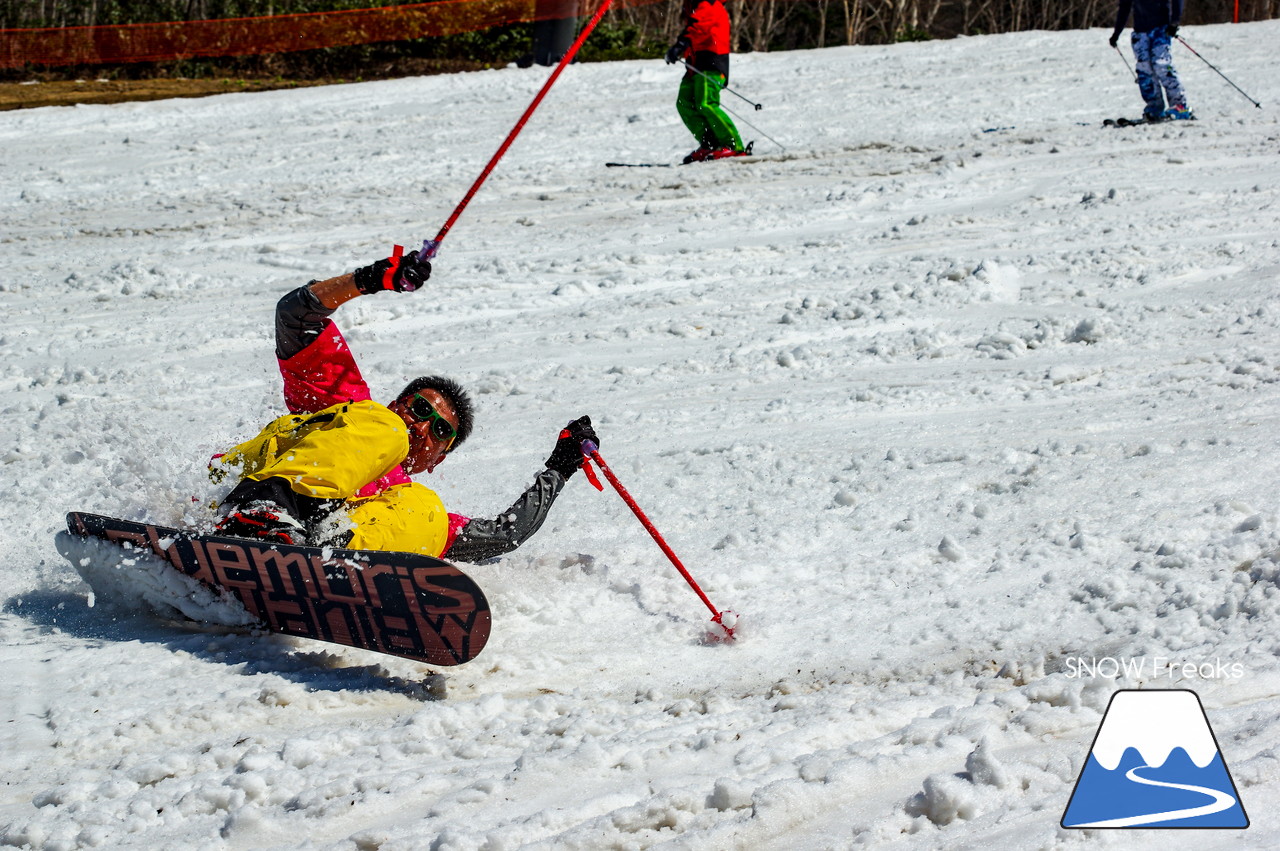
(938, 412)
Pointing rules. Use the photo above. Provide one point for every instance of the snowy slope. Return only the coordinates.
(939, 411)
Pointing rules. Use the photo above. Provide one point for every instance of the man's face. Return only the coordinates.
(427, 447)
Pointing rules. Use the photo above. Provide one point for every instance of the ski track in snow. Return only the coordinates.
(936, 410)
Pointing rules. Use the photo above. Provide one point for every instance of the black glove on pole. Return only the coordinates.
(566, 458)
(403, 273)
(675, 51)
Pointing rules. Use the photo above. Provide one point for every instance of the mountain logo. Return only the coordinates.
(1155, 763)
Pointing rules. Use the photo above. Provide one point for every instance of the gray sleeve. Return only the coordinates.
(300, 317)
(482, 539)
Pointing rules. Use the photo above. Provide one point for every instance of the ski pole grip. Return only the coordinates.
(589, 448)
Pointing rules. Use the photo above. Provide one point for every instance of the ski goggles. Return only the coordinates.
(424, 411)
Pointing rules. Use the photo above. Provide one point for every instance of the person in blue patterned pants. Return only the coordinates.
(1155, 23)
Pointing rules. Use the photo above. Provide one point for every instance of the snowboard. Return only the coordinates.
(402, 604)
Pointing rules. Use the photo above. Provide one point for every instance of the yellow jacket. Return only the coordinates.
(336, 453)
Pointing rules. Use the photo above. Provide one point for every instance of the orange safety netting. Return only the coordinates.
(276, 34)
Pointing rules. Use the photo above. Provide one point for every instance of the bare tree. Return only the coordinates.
(855, 20)
(757, 24)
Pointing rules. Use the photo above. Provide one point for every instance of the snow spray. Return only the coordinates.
(431, 246)
(726, 620)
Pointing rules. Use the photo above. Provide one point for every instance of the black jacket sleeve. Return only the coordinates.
(300, 317)
(482, 539)
(1122, 14)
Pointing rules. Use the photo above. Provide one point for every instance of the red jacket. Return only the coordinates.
(707, 31)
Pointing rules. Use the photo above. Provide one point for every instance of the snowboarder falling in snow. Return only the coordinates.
(336, 469)
(705, 42)
(1155, 23)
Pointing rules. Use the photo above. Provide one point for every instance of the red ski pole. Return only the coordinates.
(591, 451)
(431, 246)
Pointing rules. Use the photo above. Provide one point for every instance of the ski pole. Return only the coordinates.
(431, 246)
(685, 63)
(1120, 53)
(730, 111)
(753, 127)
(590, 450)
(1220, 74)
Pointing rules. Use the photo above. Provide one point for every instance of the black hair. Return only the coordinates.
(452, 391)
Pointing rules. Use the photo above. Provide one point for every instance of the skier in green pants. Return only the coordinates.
(705, 41)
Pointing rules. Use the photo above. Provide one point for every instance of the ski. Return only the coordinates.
(1127, 122)
(674, 165)
(745, 154)
(401, 604)
(1134, 122)
(1015, 127)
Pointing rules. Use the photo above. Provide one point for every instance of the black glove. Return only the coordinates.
(676, 51)
(566, 458)
(1172, 30)
(407, 273)
(1115, 37)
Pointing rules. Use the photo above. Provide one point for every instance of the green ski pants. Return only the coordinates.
(699, 107)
